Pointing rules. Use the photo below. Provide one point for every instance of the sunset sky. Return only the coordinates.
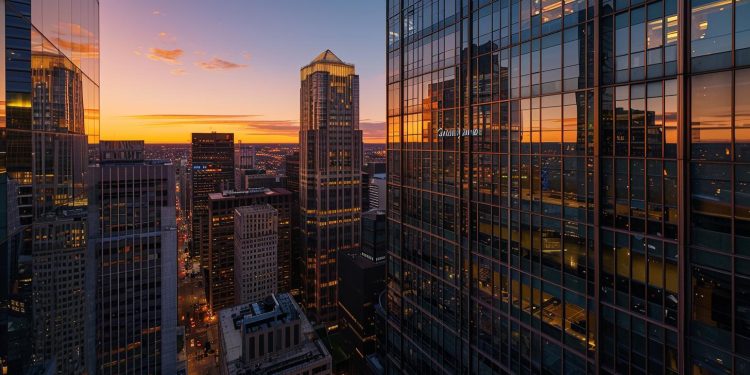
(172, 67)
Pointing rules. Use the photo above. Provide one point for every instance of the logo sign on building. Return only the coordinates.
(458, 133)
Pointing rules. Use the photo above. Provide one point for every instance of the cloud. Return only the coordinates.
(178, 72)
(166, 37)
(86, 50)
(232, 122)
(156, 13)
(246, 124)
(373, 130)
(246, 55)
(183, 117)
(169, 56)
(219, 64)
(79, 31)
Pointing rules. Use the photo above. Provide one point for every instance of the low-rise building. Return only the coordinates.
(271, 336)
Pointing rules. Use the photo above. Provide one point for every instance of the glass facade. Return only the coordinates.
(330, 179)
(49, 113)
(568, 186)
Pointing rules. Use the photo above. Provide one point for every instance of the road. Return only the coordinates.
(199, 328)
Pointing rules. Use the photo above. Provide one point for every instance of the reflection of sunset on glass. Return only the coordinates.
(192, 66)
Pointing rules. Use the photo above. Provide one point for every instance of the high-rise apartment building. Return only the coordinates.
(330, 178)
(49, 90)
(219, 262)
(256, 242)
(212, 165)
(568, 186)
(131, 263)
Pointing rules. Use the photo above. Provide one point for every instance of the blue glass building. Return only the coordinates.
(568, 186)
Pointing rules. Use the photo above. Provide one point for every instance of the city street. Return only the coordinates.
(199, 329)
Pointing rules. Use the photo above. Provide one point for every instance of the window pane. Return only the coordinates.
(711, 34)
(711, 205)
(711, 307)
(742, 114)
(711, 116)
(742, 32)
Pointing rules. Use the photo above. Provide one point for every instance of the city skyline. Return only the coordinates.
(241, 77)
(557, 187)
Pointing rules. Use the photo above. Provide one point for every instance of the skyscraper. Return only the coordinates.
(291, 172)
(330, 177)
(131, 278)
(568, 187)
(256, 242)
(220, 256)
(49, 92)
(212, 165)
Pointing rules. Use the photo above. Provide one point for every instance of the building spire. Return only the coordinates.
(327, 56)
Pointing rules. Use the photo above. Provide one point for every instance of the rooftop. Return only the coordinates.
(228, 194)
(327, 62)
(264, 314)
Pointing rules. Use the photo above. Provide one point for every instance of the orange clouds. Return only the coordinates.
(175, 127)
(372, 132)
(219, 64)
(85, 49)
(169, 56)
(240, 122)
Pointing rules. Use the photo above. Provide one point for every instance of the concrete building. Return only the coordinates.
(258, 178)
(59, 288)
(131, 278)
(220, 256)
(270, 336)
(256, 240)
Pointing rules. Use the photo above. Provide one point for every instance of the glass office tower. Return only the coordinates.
(568, 186)
(49, 112)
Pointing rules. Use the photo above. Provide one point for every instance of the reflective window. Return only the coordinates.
(711, 311)
(711, 116)
(710, 34)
